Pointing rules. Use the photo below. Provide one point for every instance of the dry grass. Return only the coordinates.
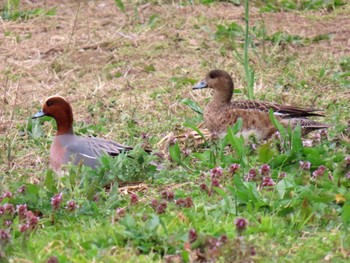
(78, 52)
(116, 70)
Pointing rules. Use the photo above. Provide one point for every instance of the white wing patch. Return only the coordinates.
(87, 156)
(279, 113)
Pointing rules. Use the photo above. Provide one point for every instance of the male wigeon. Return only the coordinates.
(222, 112)
(66, 146)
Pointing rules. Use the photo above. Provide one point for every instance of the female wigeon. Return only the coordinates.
(222, 112)
(66, 146)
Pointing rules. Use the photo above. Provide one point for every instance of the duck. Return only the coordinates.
(222, 111)
(70, 148)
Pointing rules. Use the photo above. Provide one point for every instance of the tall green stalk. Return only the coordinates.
(249, 73)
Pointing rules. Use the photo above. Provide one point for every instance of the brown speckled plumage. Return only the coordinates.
(222, 112)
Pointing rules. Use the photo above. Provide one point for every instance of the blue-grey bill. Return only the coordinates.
(201, 85)
(38, 114)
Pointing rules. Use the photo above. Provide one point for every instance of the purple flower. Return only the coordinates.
(215, 182)
(305, 165)
(252, 251)
(251, 175)
(216, 172)
(9, 209)
(213, 244)
(347, 159)
(23, 228)
(234, 168)
(180, 202)
(203, 187)
(22, 211)
(186, 152)
(307, 143)
(168, 195)
(282, 175)
(223, 239)
(36, 181)
(134, 198)
(22, 189)
(7, 195)
(71, 206)
(8, 223)
(52, 259)
(32, 220)
(154, 203)
(2, 210)
(347, 176)
(241, 224)
(187, 202)
(277, 135)
(192, 235)
(319, 172)
(4, 237)
(96, 198)
(264, 170)
(120, 212)
(330, 176)
(267, 181)
(56, 201)
(160, 209)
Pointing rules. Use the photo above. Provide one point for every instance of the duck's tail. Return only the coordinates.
(308, 125)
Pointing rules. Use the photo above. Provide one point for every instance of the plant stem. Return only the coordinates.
(249, 73)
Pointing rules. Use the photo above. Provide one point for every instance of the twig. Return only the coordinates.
(75, 24)
(124, 35)
(130, 188)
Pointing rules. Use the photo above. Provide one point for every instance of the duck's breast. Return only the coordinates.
(58, 151)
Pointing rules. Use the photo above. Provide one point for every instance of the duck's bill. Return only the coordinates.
(38, 114)
(201, 85)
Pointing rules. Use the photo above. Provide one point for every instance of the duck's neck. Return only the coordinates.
(64, 124)
(222, 97)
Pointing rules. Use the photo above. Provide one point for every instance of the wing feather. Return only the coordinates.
(96, 147)
(282, 110)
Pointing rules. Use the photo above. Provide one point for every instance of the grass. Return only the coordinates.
(11, 11)
(289, 5)
(127, 69)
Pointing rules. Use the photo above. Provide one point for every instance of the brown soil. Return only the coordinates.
(71, 53)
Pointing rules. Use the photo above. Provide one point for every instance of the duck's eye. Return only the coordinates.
(212, 75)
(49, 103)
